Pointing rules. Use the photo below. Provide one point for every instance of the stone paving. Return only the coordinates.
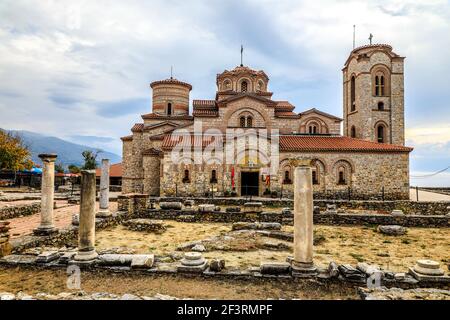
(63, 218)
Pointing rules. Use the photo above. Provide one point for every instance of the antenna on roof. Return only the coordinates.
(354, 32)
(242, 53)
(171, 72)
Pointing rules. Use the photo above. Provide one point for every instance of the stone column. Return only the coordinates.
(104, 190)
(302, 263)
(86, 228)
(47, 194)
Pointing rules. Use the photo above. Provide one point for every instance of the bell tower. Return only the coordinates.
(373, 100)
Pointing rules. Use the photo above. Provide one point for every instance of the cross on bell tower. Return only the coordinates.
(242, 53)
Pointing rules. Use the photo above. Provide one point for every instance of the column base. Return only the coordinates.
(303, 269)
(45, 231)
(85, 256)
(103, 213)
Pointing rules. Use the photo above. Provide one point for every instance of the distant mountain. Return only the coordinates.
(68, 152)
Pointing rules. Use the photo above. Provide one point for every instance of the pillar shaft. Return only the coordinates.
(104, 190)
(86, 228)
(47, 194)
(303, 220)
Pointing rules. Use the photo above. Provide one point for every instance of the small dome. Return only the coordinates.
(171, 81)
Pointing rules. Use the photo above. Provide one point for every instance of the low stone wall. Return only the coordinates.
(380, 219)
(288, 219)
(407, 206)
(19, 210)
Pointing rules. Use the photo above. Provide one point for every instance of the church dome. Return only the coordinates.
(242, 79)
(170, 97)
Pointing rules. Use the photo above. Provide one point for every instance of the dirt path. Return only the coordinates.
(427, 196)
(54, 281)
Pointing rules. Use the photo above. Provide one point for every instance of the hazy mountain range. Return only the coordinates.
(68, 152)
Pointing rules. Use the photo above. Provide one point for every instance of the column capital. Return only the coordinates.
(295, 162)
(48, 157)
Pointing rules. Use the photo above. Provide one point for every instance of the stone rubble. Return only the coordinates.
(147, 225)
(170, 205)
(392, 230)
(82, 296)
(256, 226)
(384, 293)
(216, 265)
(5, 246)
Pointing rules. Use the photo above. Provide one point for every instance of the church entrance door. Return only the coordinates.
(249, 183)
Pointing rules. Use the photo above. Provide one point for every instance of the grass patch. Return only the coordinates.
(358, 257)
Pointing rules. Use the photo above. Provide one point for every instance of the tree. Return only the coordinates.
(90, 162)
(14, 154)
(73, 169)
(59, 168)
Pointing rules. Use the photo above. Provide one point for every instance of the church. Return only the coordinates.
(209, 152)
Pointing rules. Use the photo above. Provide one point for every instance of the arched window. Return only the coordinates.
(249, 122)
(244, 86)
(287, 178)
(353, 132)
(213, 177)
(312, 129)
(380, 133)
(341, 176)
(314, 177)
(352, 94)
(260, 85)
(379, 85)
(186, 178)
(381, 105)
(169, 109)
(242, 122)
(227, 85)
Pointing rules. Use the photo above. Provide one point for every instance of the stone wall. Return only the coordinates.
(323, 218)
(368, 176)
(10, 212)
(408, 207)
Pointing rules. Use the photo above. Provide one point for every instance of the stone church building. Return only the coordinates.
(368, 161)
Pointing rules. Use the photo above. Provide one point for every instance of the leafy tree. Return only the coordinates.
(14, 154)
(90, 157)
(73, 169)
(59, 168)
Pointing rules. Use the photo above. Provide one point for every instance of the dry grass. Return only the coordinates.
(342, 244)
(54, 281)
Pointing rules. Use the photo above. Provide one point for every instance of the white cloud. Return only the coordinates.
(67, 65)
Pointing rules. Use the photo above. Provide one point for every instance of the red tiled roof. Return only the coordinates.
(205, 113)
(336, 143)
(138, 127)
(289, 114)
(284, 105)
(170, 81)
(165, 117)
(115, 170)
(204, 103)
(126, 138)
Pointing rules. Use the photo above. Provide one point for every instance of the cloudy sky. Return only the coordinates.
(80, 70)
